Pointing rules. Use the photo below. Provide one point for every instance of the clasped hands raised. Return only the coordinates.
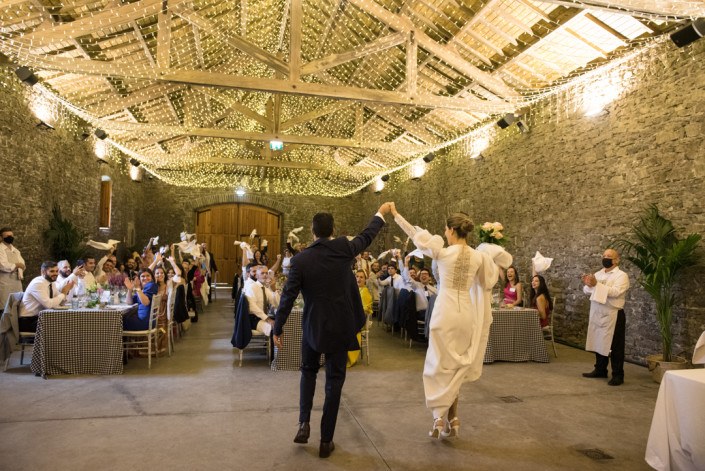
(387, 208)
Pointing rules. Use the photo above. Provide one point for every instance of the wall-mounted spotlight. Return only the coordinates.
(100, 134)
(507, 121)
(523, 127)
(384, 178)
(84, 135)
(428, 158)
(689, 33)
(27, 76)
(134, 162)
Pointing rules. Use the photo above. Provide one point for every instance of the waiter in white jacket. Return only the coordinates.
(606, 331)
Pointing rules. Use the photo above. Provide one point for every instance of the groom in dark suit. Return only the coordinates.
(332, 317)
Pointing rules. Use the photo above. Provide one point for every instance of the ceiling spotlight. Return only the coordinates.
(429, 158)
(689, 33)
(84, 135)
(100, 134)
(508, 119)
(26, 75)
(384, 178)
(134, 162)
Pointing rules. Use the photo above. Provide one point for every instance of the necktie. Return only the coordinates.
(51, 290)
(265, 301)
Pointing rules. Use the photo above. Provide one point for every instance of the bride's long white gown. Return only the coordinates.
(462, 314)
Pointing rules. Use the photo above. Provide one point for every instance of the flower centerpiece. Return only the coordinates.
(116, 281)
(491, 233)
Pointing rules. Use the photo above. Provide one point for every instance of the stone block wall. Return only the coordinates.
(574, 184)
(40, 167)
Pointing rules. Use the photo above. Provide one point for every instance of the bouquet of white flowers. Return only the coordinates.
(491, 233)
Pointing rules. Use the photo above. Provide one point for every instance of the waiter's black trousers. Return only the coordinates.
(617, 349)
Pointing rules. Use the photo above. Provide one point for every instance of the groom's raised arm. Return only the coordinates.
(365, 238)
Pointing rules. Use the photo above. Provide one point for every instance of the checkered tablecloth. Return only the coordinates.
(79, 341)
(288, 358)
(515, 335)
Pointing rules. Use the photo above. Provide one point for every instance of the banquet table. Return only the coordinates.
(288, 358)
(515, 335)
(677, 436)
(79, 341)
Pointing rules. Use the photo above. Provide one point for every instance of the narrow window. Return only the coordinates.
(106, 193)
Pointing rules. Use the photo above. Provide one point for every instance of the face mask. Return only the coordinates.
(8, 239)
(607, 262)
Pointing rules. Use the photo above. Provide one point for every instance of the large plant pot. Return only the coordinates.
(658, 367)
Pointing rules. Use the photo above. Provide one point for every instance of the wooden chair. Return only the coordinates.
(170, 324)
(548, 330)
(141, 340)
(365, 340)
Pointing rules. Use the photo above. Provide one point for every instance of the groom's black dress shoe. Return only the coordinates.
(326, 449)
(303, 433)
(595, 374)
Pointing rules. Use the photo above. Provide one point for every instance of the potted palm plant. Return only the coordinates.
(657, 251)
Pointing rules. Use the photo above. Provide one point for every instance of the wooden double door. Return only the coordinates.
(220, 226)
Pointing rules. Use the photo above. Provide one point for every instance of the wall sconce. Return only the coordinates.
(418, 169)
(689, 33)
(27, 76)
(507, 121)
(100, 134)
(384, 178)
(136, 172)
(428, 158)
(379, 185)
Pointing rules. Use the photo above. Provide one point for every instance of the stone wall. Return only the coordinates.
(41, 167)
(574, 184)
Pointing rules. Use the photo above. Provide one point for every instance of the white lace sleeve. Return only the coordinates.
(429, 244)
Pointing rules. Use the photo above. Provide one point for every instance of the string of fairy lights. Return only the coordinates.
(517, 44)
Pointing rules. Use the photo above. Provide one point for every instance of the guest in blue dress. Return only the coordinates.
(140, 291)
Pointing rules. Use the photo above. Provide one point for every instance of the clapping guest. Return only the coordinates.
(372, 285)
(513, 289)
(140, 291)
(41, 293)
(541, 299)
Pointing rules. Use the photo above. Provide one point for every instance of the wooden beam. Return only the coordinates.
(234, 40)
(507, 37)
(262, 163)
(143, 43)
(416, 129)
(163, 36)
(136, 98)
(509, 18)
(583, 39)
(295, 40)
(333, 60)
(412, 58)
(607, 28)
(118, 126)
(486, 42)
(641, 8)
(536, 10)
(195, 77)
(243, 18)
(359, 120)
(443, 52)
(199, 48)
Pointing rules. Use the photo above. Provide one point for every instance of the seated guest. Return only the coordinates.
(66, 275)
(108, 270)
(89, 266)
(130, 268)
(372, 285)
(393, 279)
(366, 297)
(541, 299)
(41, 293)
(512, 289)
(261, 300)
(140, 291)
(286, 261)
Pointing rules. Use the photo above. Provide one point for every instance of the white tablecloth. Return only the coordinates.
(699, 353)
(677, 437)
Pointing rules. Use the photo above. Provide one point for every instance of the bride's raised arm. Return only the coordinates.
(429, 244)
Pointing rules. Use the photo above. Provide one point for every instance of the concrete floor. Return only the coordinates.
(198, 411)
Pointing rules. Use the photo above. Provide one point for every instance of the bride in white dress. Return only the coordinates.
(461, 317)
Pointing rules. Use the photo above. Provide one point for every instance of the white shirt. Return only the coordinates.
(36, 297)
(9, 256)
(421, 291)
(253, 292)
(61, 282)
(397, 282)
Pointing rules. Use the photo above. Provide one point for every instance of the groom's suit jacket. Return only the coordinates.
(333, 312)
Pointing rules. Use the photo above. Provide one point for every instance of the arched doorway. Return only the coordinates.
(221, 225)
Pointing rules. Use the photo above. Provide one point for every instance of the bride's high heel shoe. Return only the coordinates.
(438, 426)
(452, 428)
